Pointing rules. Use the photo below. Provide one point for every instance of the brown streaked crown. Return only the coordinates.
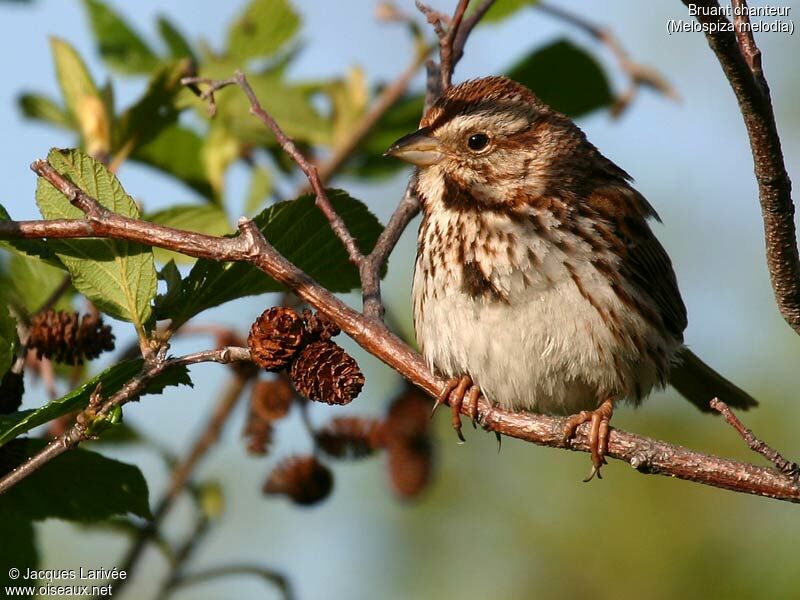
(480, 94)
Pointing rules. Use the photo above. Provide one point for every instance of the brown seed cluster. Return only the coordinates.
(324, 372)
(408, 442)
(66, 337)
(319, 369)
(404, 434)
(303, 479)
(351, 437)
(275, 337)
(270, 401)
(319, 326)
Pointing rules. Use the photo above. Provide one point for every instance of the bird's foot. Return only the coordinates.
(454, 394)
(598, 434)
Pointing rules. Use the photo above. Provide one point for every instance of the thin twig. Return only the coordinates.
(180, 476)
(638, 75)
(55, 296)
(276, 578)
(460, 39)
(373, 265)
(323, 202)
(183, 554)
(646, 455)
(385, 100)
(787, 467)
(747, 42)
(79, 432)
(448, 54)
(774, 185)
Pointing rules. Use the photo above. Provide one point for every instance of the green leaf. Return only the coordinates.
(74, 78)
(176, 151)
(299, 231)
(156, 110)
(119, 434)
(120, 46)
(566, 77)
(8, 339)
(502, 9)
(262, 29)
(20, 554)
(220, 150)
(112, 379)
(178, 46)
(401, 119)
(85, 103)
(170, 275)
(260, 188)
(79, 485)
(204, 218)
(34, 281)
(42, 108)
(118, 276)
(348, 97)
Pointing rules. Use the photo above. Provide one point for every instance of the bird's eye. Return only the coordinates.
(478, 141)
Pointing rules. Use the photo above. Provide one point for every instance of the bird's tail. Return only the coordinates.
(699, 384)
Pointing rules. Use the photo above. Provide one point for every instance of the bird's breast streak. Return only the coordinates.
(513, 318)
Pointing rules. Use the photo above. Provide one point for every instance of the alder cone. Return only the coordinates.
(410, 467)
(409, 447)
(350, 437)
(275, 338)
(324, 372)
(319, 327)
(66, 337)
(303, 479)
(271, 400)
(259, 435)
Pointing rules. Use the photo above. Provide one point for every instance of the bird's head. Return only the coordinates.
(495, 138)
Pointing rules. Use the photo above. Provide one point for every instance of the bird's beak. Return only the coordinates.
(419, 148)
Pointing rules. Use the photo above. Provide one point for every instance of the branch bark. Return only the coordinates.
(646, 455)
(742, 67)
(323, 202)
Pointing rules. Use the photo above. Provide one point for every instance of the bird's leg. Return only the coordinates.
(598, 434)
(472, 403)
(453, 394)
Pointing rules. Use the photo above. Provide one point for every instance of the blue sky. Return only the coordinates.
(691, 159)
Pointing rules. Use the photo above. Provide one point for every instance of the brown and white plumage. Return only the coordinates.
(537, 273)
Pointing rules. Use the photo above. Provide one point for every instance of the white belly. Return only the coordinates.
(542, 346)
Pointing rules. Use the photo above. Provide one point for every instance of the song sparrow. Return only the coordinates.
(538, 281)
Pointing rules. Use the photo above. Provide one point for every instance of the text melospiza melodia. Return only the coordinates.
(538, 281)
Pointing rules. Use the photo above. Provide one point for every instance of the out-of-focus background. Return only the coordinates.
(518, 524)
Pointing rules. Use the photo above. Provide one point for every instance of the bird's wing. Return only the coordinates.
(645, 263)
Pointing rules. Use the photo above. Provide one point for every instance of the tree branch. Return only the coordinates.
(449, 54)
(275, 578)
(373, 265)
(774, 186)
(180, 477)
(80, 431)
(646, 455)
(788, 468)
(323, 202)
(385, 100)
(638, 75)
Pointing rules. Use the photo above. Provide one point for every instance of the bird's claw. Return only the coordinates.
(598, 434)
(454, 393)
